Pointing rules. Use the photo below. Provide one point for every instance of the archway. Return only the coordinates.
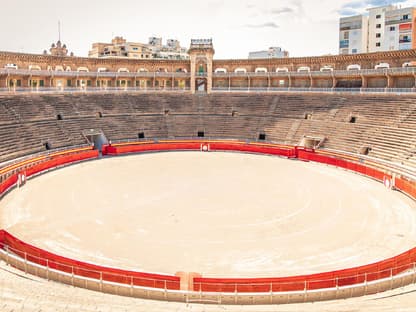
(201, 84)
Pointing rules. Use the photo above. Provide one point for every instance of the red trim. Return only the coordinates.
(350, 276)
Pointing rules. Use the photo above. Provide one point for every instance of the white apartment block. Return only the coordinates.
(353, 34)
(385, 28)
(399, 30)
(376, 27)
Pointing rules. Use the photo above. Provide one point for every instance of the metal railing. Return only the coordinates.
(92, 90)
(53, 73)
(144, 74)
(310, 288)
(168, 89)
(316, 90)
(129, 285)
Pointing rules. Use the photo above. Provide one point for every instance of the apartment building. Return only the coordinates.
(154, 49)
(272, 52)
(384, 28)
(353, 34)
(400, 29)
(120, 48)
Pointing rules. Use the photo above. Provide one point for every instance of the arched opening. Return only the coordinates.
(220, 71)
(83, 69)
(201, 85)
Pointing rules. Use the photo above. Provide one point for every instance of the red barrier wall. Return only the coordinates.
(67, 265)
(408, 187)
(71, 266)
(350, 276)
(43, 163)
(270, 149)
(9, 182)
(60, 161)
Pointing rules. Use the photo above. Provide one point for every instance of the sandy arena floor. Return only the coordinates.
(219, 214)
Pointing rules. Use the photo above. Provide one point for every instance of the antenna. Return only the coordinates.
(59, 30)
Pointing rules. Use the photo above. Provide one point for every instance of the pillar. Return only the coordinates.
(364, 82)
(390, 81)
(187, 280)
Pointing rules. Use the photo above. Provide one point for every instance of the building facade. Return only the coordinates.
(120, 48)
(400, 27)
(385, 28)
(20, 72)
(272, 52)
(353, 35)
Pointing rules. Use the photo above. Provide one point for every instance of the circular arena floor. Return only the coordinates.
(218, 214)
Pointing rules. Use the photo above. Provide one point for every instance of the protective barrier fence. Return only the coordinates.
(390, 273)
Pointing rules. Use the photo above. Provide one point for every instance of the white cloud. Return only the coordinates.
(237, 27)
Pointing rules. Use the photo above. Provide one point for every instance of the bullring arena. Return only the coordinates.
(207, 191)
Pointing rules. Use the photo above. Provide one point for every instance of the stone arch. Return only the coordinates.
(83, 69)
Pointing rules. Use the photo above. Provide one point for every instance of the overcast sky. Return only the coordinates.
(303, 27)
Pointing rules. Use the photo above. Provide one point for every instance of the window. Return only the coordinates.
(354, 51)
(344, 44)
(68, 83)
(201, 134)
(378, 25)
(346, 35)
(405, 38)
(378, 16)
(378, 35)
(281, 82)
(378, 44)
(262, 137)
(392, 28)
(406, 17)
(141, 135)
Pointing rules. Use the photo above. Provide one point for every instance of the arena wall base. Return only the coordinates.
(369, 279)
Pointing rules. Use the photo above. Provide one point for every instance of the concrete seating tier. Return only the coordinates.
(386, 124)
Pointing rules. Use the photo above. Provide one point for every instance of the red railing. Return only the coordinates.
(74, 267)
(351, 276)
